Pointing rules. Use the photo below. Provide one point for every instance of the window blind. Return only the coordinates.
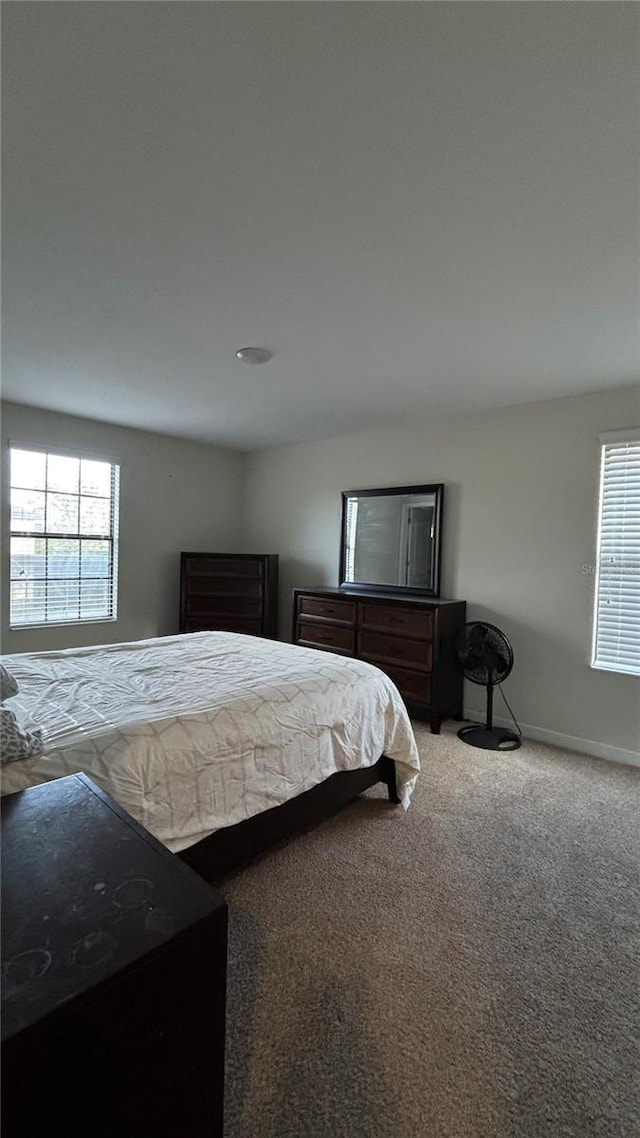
(350, 539)
(616, 634)
(64, 538)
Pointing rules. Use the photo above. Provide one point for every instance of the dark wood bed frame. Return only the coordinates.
(232, 847)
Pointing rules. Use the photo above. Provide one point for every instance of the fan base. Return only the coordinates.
(489, 738)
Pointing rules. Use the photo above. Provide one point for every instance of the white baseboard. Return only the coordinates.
(558, 739)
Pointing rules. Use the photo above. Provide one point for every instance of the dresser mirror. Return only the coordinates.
(391, 539)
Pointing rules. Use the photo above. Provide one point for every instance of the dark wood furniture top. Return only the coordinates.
(114, 974)
(229, 592)
(410, 637)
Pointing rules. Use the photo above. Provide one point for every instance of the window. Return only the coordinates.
(64, 539)
(616, 631)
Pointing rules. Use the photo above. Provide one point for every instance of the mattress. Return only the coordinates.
(195, 732)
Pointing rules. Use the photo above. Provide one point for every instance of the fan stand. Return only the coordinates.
(488, 737)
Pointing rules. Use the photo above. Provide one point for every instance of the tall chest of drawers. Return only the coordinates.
(408, 636)
(229, 592)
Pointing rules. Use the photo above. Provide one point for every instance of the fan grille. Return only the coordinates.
(484, 653)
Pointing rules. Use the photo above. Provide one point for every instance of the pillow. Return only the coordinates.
(14, 742)
(8, 684)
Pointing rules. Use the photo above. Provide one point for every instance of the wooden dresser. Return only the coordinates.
(113, 978)
(230, 592)
(410, 637)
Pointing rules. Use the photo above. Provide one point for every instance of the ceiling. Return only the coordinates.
(417, 207)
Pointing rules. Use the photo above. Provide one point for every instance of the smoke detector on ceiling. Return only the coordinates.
(254, 355)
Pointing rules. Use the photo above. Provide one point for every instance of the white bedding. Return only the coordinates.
(192, 733)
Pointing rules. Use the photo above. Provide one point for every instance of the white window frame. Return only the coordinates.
(618, 547)
(112, 537)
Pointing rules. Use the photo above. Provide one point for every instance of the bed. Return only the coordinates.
(218, 743)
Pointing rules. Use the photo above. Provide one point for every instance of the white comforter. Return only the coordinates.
(193, 733)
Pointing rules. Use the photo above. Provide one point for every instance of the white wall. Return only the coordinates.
(519, 525)
(174, 495)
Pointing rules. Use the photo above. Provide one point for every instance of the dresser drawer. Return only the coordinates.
(223, 567)
(224, 587)
(380, 648)
(327, 609)
(414, 687)
(417, 623)
(223, 608)
(314, 634)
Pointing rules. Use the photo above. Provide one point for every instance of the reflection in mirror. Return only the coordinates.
(391, 538)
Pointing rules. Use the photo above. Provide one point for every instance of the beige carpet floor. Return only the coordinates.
(468, 969)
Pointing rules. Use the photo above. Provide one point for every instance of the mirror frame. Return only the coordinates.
(433, 590)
